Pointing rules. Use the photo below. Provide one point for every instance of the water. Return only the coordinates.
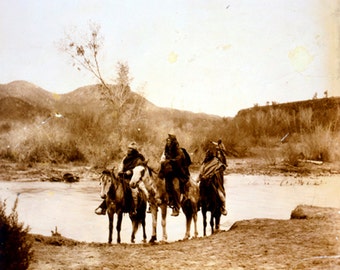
(45, 205)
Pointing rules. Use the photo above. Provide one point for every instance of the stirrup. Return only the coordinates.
(175, 212)
(100, 211)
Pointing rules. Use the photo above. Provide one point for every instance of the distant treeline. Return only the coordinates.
(305, 129)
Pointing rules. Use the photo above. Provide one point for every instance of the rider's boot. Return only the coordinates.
(101, 209)
(175, 212)
(224, 211)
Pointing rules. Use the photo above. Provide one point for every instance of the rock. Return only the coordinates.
(70, 178)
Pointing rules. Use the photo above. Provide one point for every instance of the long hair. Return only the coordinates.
(171, 147)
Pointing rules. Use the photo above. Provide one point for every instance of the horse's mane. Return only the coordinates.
(111, 193)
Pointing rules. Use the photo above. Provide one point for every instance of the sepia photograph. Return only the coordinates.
(168, 135)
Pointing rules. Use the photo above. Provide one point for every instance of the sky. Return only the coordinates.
(215, 57)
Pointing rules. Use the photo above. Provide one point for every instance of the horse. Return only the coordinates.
(117, 194)
(158, 197)
(209, 201)
(189, 204)
(156, 188)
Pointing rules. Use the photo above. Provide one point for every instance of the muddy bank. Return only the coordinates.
(258, 166)
(309, 240)
(246, 166)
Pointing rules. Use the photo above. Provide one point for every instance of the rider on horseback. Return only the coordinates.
(175, 163)
(130, 161)
(215, 164)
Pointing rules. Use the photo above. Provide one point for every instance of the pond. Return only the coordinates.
(70, 207)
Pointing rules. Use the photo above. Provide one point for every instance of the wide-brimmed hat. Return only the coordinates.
(133, 145)
(172, 136)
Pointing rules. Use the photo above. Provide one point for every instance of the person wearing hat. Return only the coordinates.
(130, 161)
(221, 152)
(220, 158)
(213, 166)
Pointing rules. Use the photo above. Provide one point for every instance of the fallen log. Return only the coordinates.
(317, 162)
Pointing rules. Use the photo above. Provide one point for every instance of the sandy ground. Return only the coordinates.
(309, 240)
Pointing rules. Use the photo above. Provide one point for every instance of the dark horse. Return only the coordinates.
(210, 200)
(117, 194)
(156, 188)
(189, 204)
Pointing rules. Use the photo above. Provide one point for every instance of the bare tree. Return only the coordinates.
(84, 54)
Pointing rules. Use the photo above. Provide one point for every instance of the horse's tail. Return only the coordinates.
(187, 207)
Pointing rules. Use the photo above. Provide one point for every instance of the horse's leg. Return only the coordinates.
(110, 216)
(134, 222)
(188, 225)
(119, 225)
(153, 209)
(144, 231)
(204, 215)
(217, 222)
(212, 223)
(164, 209)
(194, 216)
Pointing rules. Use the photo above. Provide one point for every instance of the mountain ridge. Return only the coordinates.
(85, 97)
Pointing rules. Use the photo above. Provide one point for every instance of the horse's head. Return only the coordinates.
(105, 182)
(138, 173)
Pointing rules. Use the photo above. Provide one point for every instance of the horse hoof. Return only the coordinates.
(153, 239)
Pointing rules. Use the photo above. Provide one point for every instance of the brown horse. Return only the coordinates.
(157, 190)
(117, 194)
(189, 206)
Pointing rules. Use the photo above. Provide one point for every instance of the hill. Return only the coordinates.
(324, 111)
(28, 92)
(97, 132)
(86, 98)
(13, 108)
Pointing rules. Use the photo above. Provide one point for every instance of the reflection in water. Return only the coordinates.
(70, 207)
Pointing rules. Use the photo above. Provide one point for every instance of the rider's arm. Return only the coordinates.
(163, 157)
(120, 167)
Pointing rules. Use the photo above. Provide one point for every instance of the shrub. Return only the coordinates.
(15, 245)
(292, 153)
(5, 127)
(318, 145)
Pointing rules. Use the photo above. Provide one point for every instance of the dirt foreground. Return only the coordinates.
(309, 240)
